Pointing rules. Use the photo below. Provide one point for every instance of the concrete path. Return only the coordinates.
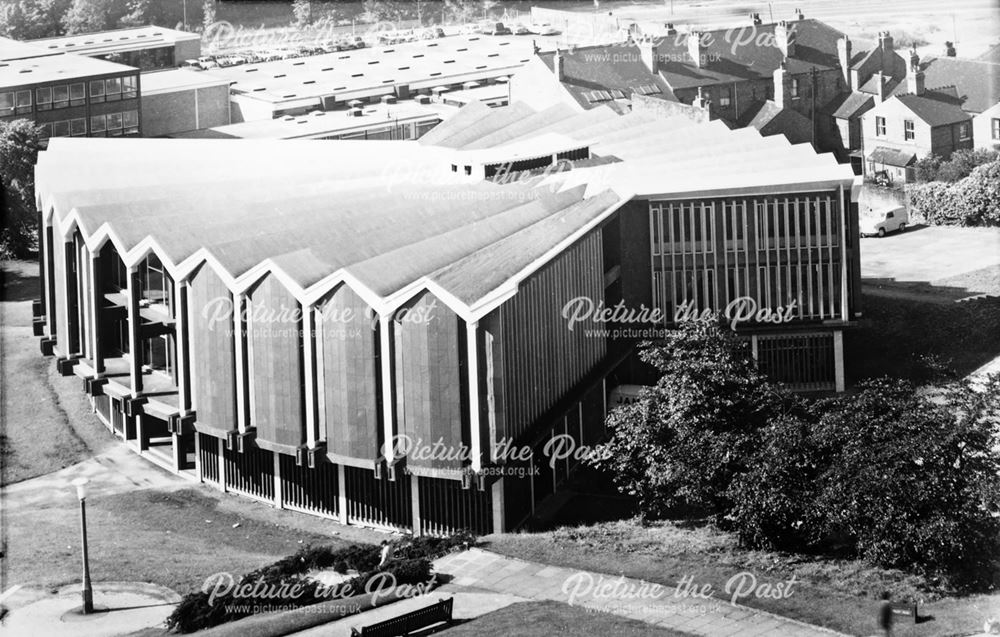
(485, 571)
(469, 604)
(117, 470)
(122, 607)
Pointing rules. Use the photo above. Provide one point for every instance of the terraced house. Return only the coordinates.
(265, 316)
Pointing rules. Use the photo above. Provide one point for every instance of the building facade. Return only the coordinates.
(285, 358)
(67, 95)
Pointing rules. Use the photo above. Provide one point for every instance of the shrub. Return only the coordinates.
(890, 474)
(410, 566)
(685, 439)
(973, 201)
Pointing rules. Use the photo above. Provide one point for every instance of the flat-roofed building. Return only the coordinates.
(398, 120)
(275, 317)
(298, 85)
(146, 48)
(182, 100)
(68, 95)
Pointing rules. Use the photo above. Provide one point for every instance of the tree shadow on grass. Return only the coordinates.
(18, 282)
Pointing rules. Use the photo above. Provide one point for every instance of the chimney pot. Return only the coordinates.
(696, 49)
(844, 56)
(557, 63)
(949, 49)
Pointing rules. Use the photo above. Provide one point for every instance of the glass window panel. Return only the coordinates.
(60, 129)
(97, 124)
(6, 103)
(78, 127)
(114, 120)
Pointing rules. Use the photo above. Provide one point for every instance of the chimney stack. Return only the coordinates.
(534, 46)
(782, 85)
(755, 18)
(914, 76)
(700, 101)
(880, 88)
(784, 39)
(557, 63)
(696, 49)
(949, 49)
(650, 57)
(670, 29)
(799, 15)
(844, 55)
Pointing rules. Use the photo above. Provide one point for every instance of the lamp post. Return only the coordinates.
(86, 591)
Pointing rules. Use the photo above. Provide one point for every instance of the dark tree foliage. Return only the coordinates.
(683, 441)
(18, 154)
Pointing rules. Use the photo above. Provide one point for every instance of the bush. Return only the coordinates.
(409, 566)
(959, 166)
(683, 441)
(972, 201)
(890, 474)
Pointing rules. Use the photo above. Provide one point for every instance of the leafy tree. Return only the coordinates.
(208, 14)
(302, 10)
(461, 11)
(899, 477)
(18, 154)
(30, 19)
(685, 439)
(87, 16)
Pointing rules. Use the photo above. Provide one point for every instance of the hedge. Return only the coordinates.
(410, 565)
(971, 201)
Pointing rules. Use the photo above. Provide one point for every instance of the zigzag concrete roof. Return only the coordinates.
(390, 218)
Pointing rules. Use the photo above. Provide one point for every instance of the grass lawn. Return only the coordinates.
(838, 594)
(895, 331)
(175, 539)
(542, 619)
(40, 432)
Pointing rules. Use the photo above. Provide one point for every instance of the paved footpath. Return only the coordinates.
(483, 570)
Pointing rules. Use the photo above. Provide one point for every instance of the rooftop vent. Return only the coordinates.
(403, 68)
(493, 55)
(358, 75)
(329, 68)
(279, 75)
(309, 82)
(373, 62)
(435, 74)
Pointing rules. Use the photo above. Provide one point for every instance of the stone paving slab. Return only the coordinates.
(122, 607)
(708, 617)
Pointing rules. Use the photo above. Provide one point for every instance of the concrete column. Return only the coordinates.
(222, 464)
(386, 358)
(844, 283)
(838, 359)
(415, 504)
(141, 443)
(753, 345)
(178, 454)
(242, 393)
(134, 323)
(342, 494)
(181, 338)
(472, 357)
(499, 506)
(278, 497)
(197, 457)
(309, 364)
(97, 302)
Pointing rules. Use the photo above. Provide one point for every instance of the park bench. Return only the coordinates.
(410, 622)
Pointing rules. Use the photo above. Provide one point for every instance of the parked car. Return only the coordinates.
(432, 33)
(471, 29)
(884, 221)
(543, 28)
(497, 28)
(520, 29)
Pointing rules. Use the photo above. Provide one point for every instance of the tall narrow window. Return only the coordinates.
(908, 132)
(97, 91)
(995, 128)
(880, 126)
(963, 131)
(60, 96)
(795, 89)
(22, 102)
(43, 99)
(77, 94)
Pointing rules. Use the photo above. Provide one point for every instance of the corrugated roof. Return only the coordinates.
(892, 156)
(390, 217)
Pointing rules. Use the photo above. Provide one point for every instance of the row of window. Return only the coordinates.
(111, 125)
(802, 221)
(910, 134)
(808, 291)
(52, 97)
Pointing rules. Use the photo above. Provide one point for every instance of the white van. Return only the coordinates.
(883, 221)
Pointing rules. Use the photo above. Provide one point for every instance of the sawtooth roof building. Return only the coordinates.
(265, 315)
